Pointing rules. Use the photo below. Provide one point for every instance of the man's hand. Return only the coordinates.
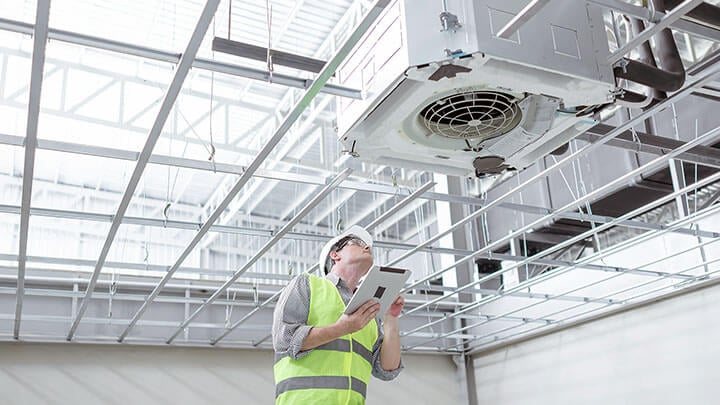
(361, 317)
(396, 307)
(390, 350)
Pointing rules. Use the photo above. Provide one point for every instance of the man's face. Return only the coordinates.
(355, 252)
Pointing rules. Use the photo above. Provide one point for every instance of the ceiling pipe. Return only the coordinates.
(670, 76)
(646, 55)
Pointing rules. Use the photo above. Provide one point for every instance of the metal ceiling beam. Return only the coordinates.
(678, 181)
(316, 109)
(154, 54)
(204, 165)
(129, 297)
(648, 166)
(244, 230)
(563, 324)
(585, 217)
(40, 37)
(521, 18)
(278, 156)
(64, 66)
(605, 300)
(657, 145)
(254, 193)
(185, 225)
(634, 224)
(709, 93)
(623, 301)
(646, 34)
(181, 71)
(602, 298)
(710, 201)
(253, 196)
(266, 247)
(278, 35)
(342, 199)
(588, 259)
(405, 212)
(369, 227)
(655, 15)
(262, 54)
(129, 285)
(387, 214)
(280, 132)
(142, 267)
(132, 284)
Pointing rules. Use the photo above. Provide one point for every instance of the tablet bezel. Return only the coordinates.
(383, 280)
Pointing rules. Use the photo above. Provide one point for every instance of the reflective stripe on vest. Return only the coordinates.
(339, 383)
(338, 345)
(336, 372)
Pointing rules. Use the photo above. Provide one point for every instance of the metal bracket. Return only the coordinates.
(449, 22)
(622, 64)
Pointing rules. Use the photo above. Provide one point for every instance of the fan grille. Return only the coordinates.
(472, 115)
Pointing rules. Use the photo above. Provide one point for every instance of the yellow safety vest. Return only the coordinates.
(335, 373)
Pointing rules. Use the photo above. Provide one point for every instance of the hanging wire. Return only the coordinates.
(524, 236)
(169, 168)
(422, 237)
(269, 31)
(229, 307)
(112, 289)
(695, 192)
(229, 17)
(484, 223)
(209, 148)
(339, 223)
(681, 173)
(583, 189)
(637, 140)
(394, 178)
(146, 252)
(211, 158)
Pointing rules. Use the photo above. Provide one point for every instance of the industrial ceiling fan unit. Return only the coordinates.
(443, 92)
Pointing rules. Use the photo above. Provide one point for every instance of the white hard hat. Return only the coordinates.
(325, 262)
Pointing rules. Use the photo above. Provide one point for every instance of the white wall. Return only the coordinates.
(113, 374)
(663, 353)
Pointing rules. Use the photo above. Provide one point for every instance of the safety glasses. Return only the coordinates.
(350, 240)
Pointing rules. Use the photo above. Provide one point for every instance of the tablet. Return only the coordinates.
(381, 284)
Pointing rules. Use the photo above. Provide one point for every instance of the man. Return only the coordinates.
(323, 356)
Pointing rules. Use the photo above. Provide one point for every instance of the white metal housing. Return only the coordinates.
(409, 61)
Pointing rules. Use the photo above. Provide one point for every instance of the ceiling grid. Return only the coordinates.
(157, 191)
